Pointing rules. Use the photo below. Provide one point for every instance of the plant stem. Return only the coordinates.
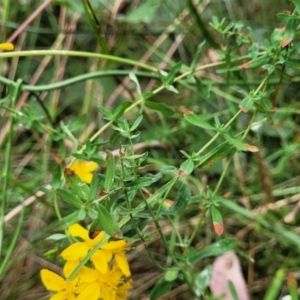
(7, 160)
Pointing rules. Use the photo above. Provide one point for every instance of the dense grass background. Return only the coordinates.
(160, 34)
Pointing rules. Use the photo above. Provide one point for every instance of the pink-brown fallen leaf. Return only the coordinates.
(227, 268)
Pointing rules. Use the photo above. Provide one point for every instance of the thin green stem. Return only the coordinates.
(31, 53)
(7, 160)
(12, 244)
(162, 236)
(56, 208)
(77, 79)
(223, 175)
(146, 247)
(199, 223)
(217, 134)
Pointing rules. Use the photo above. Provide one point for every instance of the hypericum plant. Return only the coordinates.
(116, 197)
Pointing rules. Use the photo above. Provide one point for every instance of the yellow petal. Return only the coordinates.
(75, 252)
(114, 245)
(109, 255)
(7, 46)
(86, 177)
(88, 275)
(69, 267)
(52, 281)
(97, 239)
(100, 262)
(59, 296)
(77, 230)
(122, 263)
(83, 169)
(88, 166)
(91, 292)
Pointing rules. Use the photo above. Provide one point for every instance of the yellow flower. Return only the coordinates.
(7, 46)
(101, 258)
(118, 248)
(55, 283)
(79, 250)
(83, 169)
(108, 286)
(123, 290)
(67, 289)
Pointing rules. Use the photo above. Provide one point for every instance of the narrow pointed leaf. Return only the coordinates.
(106, 221)
(214, 249)
(68, 197)
(161, 107)
(110, 172)
(79, 187)
(196, 120)
(161, 288)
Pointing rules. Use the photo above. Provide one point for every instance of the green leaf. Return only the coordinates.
(119, 111)
(203, 279)
(56, 179)
(161, 287)
(187, 166)
(289, 32)
(212, 250)
(80, 188)
(171, 88)
(297, 5)
(139, 183)
(56, 237)
(171, 275)
(246, 104)
(172, 73)
(105, 221)
(264, 105)
(216, 154)
(110, 172)
(68, 220)
(105, 112)
(236, 143)
(232, 290)
(217, 220)
(196, 120)
(68, 197)
(216, 215)
(81, 214)
(286, 17)
(136, 123)
(161, 107)
(92, 213)
(256, 62)
(276, 286)
(93, 193)
(180, 202)
(152, 200)
(145, 13)
(121, 200)
(133, 77)
(197, 55)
